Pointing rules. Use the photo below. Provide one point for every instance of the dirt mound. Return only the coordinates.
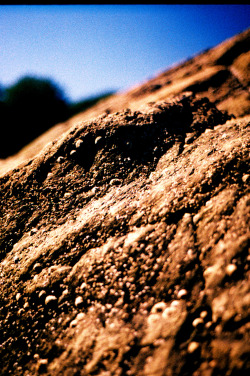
(124, 247)
(220, 73)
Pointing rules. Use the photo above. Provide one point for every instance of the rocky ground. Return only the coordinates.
(124, 243)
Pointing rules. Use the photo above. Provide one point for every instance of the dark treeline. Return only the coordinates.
(30, 107)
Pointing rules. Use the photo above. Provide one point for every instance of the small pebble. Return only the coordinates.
(37, 266)
(78, 143)
(50, 299)
(26, 305)
(192, 347)
(72, 152)
(203, 314)
(78, 301)
(60, 159)
(181, 293)
(230, 269)
(197, 322)
(97, 139)
(245, 178)
(18, 296)
(41, 294)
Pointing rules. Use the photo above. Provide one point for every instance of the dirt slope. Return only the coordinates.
(124, 245)
(221, 74)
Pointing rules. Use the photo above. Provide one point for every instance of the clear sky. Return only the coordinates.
(90, 49)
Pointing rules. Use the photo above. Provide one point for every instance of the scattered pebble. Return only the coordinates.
(72, 152)
(192, 347)
(78, 301)
(182, 293)
(60, 159)
(245, 178)
(230, 269)
(97, 139)
(18, 296)
(78, 143)
(203, 314)
(83, 286)
(197, 322)
(37, 266)
(26, 305)
(50, 300)
(41, 294)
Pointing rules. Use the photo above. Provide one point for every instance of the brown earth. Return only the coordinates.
(124, 243)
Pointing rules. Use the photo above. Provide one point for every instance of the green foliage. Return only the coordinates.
(30, 107)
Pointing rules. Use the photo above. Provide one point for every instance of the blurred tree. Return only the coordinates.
(28, 108)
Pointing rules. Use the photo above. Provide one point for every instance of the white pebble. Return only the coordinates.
(181, 293)
(78, 301)
(230, 269)
(18, 296)
(198, 321)
(50, 299)
(98, 139)
(78, 143)
(203, 314)
(192, 347)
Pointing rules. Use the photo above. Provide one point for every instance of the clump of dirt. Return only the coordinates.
(124, 247)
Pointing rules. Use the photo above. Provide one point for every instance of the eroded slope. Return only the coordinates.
(124, 247)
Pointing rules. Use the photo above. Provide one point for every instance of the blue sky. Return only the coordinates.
(90, 49)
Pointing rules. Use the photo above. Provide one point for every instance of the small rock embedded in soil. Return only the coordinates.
(50, 300)
(192, 347)
(79, 301)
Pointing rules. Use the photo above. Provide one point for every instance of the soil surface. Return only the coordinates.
(124, 243)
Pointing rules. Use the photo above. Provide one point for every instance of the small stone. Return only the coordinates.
(18, 296)
(245, 178)
(26, 305)
(182, 293)
(197, 322)
(50, 300)
(83, 286)
(78, 143)
(230, 269)
(41, 294)
(192, 347)
(60, 159)
(72, 152)
(79, 301)
(203, 314)
(97, 139)
(37, 266)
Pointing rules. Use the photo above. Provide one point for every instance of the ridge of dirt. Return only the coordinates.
(124, 247)
(220, 73)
